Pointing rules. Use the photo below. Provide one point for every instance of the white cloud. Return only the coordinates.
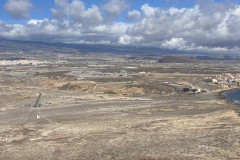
(61, 3)
(126, 40)
(18, 9)
(115, 8)
(188, 29)
(194, 29)
(77, 11)
(63, 31)
(174, 43)
(133, 15)
(148, 11)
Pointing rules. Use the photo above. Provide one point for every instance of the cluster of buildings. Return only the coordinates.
(29, 62)
(186, 87)
(189, 87)
(225, 80)
(22, 62)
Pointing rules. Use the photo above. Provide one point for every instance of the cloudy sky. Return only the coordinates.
(186, 25)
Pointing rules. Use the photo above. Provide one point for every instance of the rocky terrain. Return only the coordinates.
(97, 107)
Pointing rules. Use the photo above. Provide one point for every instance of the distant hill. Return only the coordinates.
(222, 58)
(178, 59)
(28, 46)
(134, 52)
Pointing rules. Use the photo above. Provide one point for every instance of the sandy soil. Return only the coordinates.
(163, 127)
(153, 122)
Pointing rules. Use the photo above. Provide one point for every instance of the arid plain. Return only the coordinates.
(111, 106)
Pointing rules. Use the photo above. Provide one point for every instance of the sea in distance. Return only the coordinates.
(233, 95)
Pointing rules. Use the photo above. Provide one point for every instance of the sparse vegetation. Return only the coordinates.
(109, 92)
(100, 115)
(186, 89)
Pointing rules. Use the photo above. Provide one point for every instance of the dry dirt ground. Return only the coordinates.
(73, 123)
(163, 127)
